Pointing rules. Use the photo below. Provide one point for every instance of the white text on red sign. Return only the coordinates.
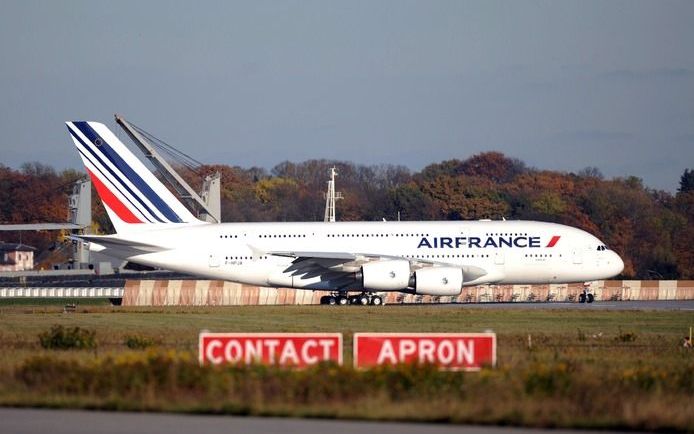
(454, 351)
(282, 349)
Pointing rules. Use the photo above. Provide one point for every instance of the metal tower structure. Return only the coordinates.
(207, 204)
(80, 214)
(79, 219)
(330, 197)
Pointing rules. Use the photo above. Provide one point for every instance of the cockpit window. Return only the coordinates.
(602, 248)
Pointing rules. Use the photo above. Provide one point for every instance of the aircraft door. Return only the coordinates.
(499, 257)
(577, 257)
(213, 260)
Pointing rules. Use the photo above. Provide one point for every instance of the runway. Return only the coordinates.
(681, 305)
(31, 421)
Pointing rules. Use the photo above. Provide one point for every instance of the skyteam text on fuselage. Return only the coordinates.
(154, 228)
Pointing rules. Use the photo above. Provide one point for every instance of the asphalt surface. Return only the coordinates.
(30, 421)
(685, 305)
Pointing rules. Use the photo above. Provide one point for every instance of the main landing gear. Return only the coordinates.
(342, 299)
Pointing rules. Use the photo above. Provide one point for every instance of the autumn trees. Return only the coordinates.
(34, 193)
(652, 230)
(683, 210)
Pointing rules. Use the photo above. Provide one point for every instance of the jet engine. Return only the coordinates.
(438, 281)
(386, 275)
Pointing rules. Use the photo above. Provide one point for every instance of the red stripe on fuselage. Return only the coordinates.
(112, 201)
(553, 241)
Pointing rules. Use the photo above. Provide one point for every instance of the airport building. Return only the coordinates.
(16, 257)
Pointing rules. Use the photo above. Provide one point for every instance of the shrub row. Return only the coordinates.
(62, 338)
(170, 372)
(76, 338)
(179, 372)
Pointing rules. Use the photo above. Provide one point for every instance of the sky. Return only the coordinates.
(561, 85)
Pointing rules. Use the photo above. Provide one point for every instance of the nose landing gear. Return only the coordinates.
(586, 297)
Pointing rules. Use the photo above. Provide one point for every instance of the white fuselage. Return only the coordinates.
(510, 252)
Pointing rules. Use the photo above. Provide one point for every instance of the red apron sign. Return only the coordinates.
(282, 349)
(453, 351)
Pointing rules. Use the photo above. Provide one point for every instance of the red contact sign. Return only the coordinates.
(282, 349)
(451, 351)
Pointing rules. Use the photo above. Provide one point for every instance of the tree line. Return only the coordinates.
(651, 229)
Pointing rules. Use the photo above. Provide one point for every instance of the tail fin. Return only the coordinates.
(132, 195)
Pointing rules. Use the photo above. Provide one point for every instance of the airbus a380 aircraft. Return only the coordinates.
(437, 258)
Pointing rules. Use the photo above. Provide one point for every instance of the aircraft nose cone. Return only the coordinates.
(616, 264)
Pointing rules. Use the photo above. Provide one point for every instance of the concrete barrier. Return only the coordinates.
(219, 293)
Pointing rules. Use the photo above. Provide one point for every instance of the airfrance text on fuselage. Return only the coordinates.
(482, 242)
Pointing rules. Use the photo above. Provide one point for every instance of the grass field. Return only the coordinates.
(618, 369)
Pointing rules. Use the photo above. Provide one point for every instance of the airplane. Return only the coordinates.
(153, 228)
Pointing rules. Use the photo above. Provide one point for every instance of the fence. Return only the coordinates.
(219, 293)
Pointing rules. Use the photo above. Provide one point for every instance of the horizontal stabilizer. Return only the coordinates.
(109, 241)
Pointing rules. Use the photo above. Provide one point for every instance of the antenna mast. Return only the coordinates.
(331, 197)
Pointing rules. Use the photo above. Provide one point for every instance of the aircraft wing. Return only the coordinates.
(327, 255)
(311, 264)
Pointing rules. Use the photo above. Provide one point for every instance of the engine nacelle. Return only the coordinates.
(386, 275)
(438, 281)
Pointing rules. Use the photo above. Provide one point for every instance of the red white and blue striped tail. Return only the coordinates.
(134, 198)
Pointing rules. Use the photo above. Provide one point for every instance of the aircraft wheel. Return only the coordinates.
(590, 298)
(376, 300)
(354, 299)
(363, 300)
(342, 300)
(582, 298)
(324, 299)
(332, 301)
